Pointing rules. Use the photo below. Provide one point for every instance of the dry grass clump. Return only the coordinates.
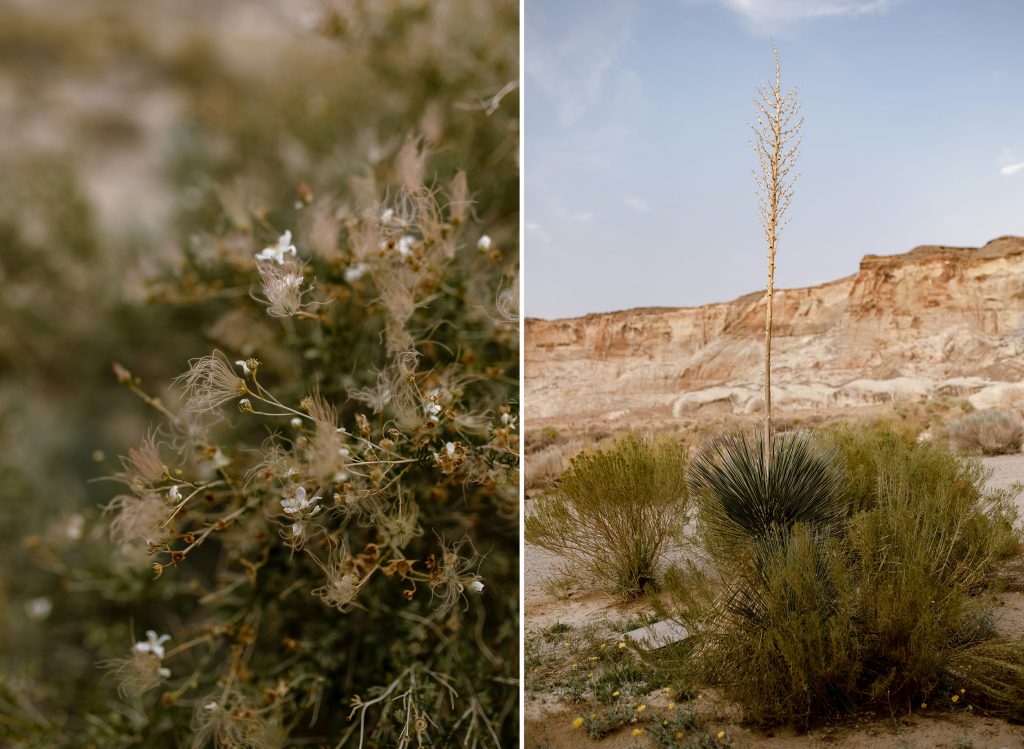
(616, 511)
(988, 432)
(543, 467)
(885, 606)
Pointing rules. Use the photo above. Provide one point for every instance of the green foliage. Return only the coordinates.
(740, 502)
(616, 511)
(988, 432)
(385, 390)
(884, 610)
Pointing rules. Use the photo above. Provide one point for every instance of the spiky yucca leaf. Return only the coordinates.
(742, 502)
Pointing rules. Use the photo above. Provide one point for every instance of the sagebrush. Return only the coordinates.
(616, 511)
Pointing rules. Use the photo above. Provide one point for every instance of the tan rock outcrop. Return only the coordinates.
(937, 321)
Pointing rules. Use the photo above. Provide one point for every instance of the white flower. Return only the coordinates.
(484, 243)
(74, 527)
(152, 644)
(405, 245)
(355, 272)
(450, 449)
(505, 419)
(164, 672)
(244, 366)
(284, 247)
(38, 609)
(387, 216)
(297, 505)
(476, 586)
(211, 707)
(296, 422)
(245, 405)
(220, 460)
(297, 529)
(174, 494)
(431, 410)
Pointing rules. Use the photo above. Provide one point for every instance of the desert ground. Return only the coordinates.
(555, 598)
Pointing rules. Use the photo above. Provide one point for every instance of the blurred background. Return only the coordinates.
(135, 135)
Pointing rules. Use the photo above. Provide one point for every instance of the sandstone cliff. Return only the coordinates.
(937, 321)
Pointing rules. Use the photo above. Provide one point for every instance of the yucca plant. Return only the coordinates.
(744, 498)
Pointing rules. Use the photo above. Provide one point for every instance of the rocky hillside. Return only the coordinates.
(937, 321)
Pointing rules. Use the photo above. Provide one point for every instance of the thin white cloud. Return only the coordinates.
(768, 15)
(639, 205)
(573, 63)
(538, 230)
(1011, 169)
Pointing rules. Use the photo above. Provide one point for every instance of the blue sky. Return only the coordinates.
(637, 165)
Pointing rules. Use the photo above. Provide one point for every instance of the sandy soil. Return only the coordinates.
(552, 597)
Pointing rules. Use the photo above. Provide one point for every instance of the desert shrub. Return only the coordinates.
(990, 672)
(740, 501)
(988, 432)
(885, 609)
(873, 456)
(780, 637)
(324, 522)
(544, 467)
(616, 511)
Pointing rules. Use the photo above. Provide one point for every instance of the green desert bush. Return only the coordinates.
(988, 432)
(318, 542)
(885, 609)
(874, 456)
(616, 511)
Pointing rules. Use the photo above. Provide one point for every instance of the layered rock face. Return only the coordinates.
(937, 321)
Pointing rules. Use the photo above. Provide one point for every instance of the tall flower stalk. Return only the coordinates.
(776, 141)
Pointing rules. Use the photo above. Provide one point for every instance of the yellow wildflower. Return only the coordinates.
(671, 706)
(616, 693)
(640, 708)
(622, 645)
(577, 722)
(956, 698)
(720, 735)
(924, 705)
(637, 731)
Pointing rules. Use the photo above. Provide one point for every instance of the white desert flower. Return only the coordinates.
(39, 608)
(406, 244)
(484, 243)
(356, 271)
(244, 366)
(74, 527)
(476, 586)
(152, 644)
(297, 505)
(296, 422)
(174, 494)
(276, 253)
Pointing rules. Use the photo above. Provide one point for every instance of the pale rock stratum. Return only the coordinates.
(936, 321)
